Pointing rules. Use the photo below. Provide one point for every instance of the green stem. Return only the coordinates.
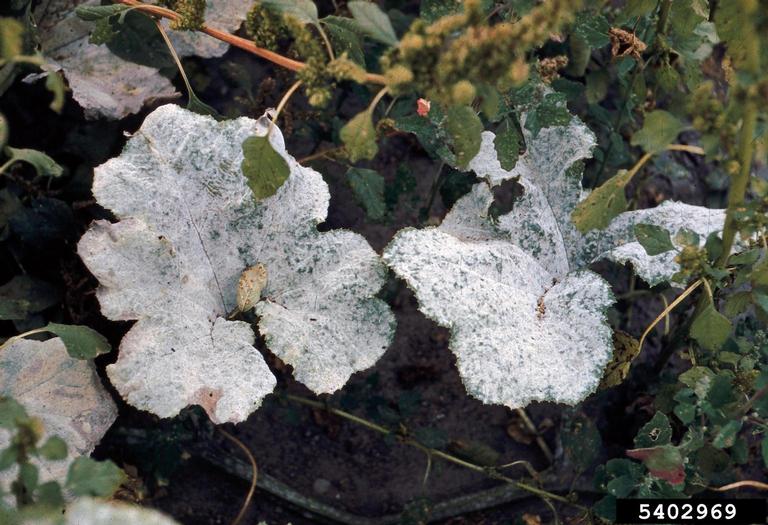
(661, 24)
(491, 472)
(740, 180)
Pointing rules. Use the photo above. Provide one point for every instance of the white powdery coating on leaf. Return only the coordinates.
(617, 242)
(65, 393)
(540, 221)
(517, 336)
(90, 511)
(224, 15)
(102, 83)
(190, 226)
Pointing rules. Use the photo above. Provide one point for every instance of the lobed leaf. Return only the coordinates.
(189, 228)
(64, 393)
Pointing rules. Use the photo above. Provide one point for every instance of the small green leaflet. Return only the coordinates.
(711, 328)
(664, 462)
(465, 128)
(81, 342)
(11, 412)
(92, 13)
(11, 42)
(88, 477)
(53, 449)
(368, 186)
(43, 164)
(656, 432)
(602, 205)
(302, 10)
(659, 130)
(373, 21)
(264, 168)
(654, 239)
(359, 137)
(507, 144)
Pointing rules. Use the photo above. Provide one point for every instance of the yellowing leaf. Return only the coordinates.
(465, 128)
(625, 349)
(603, 204)
(359, 137)
(252, 282)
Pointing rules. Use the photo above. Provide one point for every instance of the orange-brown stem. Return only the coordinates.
(242, 43)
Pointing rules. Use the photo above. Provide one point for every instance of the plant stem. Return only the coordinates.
(239, 42)
(491, 472)
(15, 338)
(739, 181)
(661, 24)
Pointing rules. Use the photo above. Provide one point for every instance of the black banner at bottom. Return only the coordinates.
(693, 511)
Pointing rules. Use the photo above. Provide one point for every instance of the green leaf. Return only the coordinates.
(656, 432)
(507, 144)
(264, 168)
(304, 11)
(659, 130)
(465, 128)
(699, 379)
(49, 495)
(687, 237)
(764, 450)
(593, 28)
(368, 187)
(10, 413)
(138, 40)
(551, 111)
(81, 342)
(359, 137)
(711, 328)
(343, 39)
(726, 436)
(43, 164)
(654, 239)
(92, 13)
(24, 295)
(54, 449)
(373, 21)
(87, 477)
(29, 475)
(685, 412)
(603, 204)
(581, 441)
(621, 487)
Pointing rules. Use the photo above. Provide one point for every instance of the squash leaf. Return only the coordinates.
(527, 318)
(189, 227)
(64, 393)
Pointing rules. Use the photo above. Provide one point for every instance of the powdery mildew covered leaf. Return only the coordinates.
(102, 83)
(90, 511)
(225, 15)
(106, 85)
(189, 227)
(519, 333)
(527, 320)
(65, 393)
(550, 173)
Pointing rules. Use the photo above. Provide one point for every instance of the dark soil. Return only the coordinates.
(415, 386)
